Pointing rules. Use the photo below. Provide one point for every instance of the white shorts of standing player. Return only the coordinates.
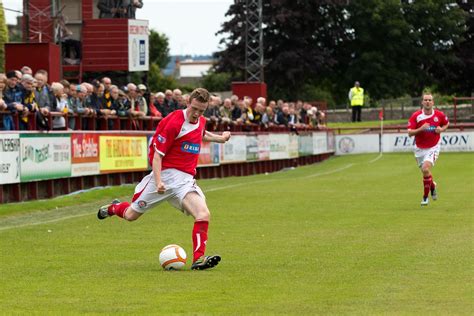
(427, 154)
(177, 184)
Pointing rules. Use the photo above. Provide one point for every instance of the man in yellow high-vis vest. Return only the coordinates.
(356, 96)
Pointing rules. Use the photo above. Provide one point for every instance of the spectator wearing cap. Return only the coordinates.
(137, 108)
(13, 97)
(143, 95)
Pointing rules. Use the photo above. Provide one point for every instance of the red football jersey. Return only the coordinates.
(178, 141)
(427, 138)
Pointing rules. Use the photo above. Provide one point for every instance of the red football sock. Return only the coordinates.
(432, 183)
(199, 239)
(118, 209)
(427, 181)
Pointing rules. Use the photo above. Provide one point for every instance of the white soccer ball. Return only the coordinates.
(172, 257)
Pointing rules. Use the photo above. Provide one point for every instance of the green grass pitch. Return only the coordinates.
(347, 236)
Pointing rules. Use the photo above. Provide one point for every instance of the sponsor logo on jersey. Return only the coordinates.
(161, 139)
(190, 148)
(436, 119)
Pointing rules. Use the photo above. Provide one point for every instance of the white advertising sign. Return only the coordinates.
(9, 158)
(234, 150)
(450, 141)
(279, 146)
(45, 157)
(305, 144)
(138, 45)
(84, 169)
(320, 143)
(331, 141)
(293, 146)
(357, 144)
(263, 146)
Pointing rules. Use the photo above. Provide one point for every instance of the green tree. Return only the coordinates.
(157, 81)
(213, 81)
(159, 49)
(459, 79)
(393, 47)
(3, 37)
(397, 47)
(299, 39)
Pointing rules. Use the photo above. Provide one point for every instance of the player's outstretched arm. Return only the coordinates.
(211, 137)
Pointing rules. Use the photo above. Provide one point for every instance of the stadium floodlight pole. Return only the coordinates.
(253, 41)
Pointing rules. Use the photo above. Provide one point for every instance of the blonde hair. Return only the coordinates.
(56, 86)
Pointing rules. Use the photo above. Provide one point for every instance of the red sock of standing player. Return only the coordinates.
(199, 239)
(118, 209)
(427, 181)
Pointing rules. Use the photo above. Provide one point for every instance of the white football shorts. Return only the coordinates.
(427, 154)
(177, 185)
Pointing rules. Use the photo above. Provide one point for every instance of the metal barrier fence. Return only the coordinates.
(146, 123)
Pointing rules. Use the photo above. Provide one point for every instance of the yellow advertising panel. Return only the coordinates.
(123, 153)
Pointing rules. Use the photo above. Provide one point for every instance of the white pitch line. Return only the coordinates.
(44, 222)
(376, 158)
(329, 172)
(209, 190)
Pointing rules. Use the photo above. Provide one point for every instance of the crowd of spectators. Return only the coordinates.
(28, 97)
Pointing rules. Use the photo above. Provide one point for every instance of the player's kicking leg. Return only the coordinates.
(195, 205)
(122, 210)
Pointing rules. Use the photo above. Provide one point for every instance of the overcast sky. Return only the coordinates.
(189, 24)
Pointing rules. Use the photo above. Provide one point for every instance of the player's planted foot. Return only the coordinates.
(206, 262)
(434, 192)
(424, 201)
(104, 210)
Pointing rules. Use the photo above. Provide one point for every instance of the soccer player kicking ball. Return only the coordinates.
(426, 125)
(173, 154)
